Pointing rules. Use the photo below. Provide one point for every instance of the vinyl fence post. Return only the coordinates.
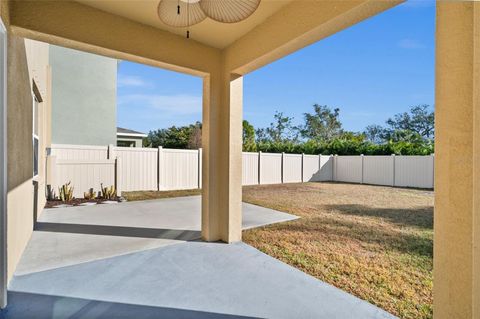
(111, 151)
(283, 167)
(200, 168)
(303, 157)
(393, 169)
(362, 158)
(159, 168)
(118, 176)
(335, 167)
(319, 179)
(260, 168)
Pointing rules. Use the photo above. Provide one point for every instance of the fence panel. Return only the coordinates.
(414, 171)
(348, 169)
(292, 168)
(138, 168)
(311, 168)
(326, 169)
(83, 175)
(271, 168)
(249, 168)
(178, 169)
(378, 170)
(79, 152)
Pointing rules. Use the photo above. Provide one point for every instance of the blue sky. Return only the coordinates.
(373, 70)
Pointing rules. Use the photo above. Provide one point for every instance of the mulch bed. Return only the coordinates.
(78, 201)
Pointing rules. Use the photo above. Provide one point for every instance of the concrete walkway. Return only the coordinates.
(191, 279)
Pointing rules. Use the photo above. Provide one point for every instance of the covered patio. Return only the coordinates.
(222, 55)
(145, 259)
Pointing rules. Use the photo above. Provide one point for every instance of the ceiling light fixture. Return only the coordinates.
(185, 13)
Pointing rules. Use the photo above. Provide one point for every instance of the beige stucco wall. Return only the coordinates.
(457, 161)
(20, 163)
(20, 196)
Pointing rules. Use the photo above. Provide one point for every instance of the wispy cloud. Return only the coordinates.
(408, 43)
(162, 105)
(130, 80)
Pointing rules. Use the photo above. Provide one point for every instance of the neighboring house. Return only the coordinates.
(129, 138)
(84, 90)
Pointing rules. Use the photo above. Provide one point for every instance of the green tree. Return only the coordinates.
(420, 120)
(249, 144)
(176, 137)
(323, 124)
(375, 133)
(281, 130)
(195, 140)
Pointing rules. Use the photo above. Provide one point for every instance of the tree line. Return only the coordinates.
(407, 133)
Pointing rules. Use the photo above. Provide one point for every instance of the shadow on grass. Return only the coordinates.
(417, 241)
(421, 217)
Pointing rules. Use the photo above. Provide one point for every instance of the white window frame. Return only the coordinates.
(3, 165)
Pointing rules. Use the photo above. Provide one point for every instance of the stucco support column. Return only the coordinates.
(222, 158)
(457, 162)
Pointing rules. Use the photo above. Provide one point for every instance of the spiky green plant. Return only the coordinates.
(51, 193)
(65, 192)
(108, 192)
(90, 194)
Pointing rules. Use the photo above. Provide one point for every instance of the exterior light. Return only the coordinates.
(185, 13)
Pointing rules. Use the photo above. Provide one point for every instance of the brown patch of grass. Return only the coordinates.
(146, 195)
(374, 242)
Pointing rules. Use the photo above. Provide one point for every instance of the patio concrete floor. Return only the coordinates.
(143, 260)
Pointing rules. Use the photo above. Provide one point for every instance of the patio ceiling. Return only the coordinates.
(130, 30)
(211, 33)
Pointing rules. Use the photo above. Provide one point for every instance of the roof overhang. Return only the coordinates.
(115, 29)
(134, 135)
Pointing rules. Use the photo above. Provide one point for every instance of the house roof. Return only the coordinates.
(127, 132)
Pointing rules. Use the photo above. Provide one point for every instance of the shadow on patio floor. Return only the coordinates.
(176, 234)
(38, 306)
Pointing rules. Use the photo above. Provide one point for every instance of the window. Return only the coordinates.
(35, 136)
(125, 143)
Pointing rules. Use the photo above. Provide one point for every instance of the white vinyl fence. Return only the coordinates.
(400, 171)
(136, 169)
